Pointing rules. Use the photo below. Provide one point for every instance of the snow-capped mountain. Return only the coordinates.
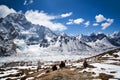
(115, 35)
(100, 41)
(91, 38)
(16, 33)
(15, 26)
(115, 38)
(64, 43)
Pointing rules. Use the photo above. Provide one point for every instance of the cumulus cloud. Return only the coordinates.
(95, 24)
(87, 23)
(66, 15)
(99, 21)
(107, 24)
(75, 21)
(44, 19)
(4, 11)
(78, 21)
(100, 18)
(27, 2)
(70, 21)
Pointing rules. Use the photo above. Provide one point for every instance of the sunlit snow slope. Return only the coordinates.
(21, 40)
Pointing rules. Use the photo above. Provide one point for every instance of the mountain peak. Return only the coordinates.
(115, 34)
(63, 34)
(15, 17)
(16, 26)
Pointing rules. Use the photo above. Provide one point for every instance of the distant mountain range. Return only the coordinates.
(16, 33)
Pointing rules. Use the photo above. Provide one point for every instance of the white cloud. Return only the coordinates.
(75, 21)
(4, 11)
(87, 23)
(78, 21)
(66, 15)
(95, 24)
(100, 18)
(27, 2)
(110, 20)
(107, 24)
(70, 21)
(44, 19)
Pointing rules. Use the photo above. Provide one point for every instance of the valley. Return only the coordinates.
(105, 66)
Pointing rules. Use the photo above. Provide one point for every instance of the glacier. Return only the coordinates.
(20, 40)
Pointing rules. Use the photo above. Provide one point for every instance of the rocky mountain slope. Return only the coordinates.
(15, 26)
(19, 36)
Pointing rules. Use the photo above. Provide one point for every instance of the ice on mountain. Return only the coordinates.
(21, 37)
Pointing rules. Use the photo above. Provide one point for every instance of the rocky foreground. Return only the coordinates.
(105, 66)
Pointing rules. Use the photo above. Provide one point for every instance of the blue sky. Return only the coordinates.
(69, 16)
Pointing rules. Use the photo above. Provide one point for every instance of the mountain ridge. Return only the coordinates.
(15, 26)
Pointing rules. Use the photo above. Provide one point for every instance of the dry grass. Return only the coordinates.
(104, 76)
(66, 74)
